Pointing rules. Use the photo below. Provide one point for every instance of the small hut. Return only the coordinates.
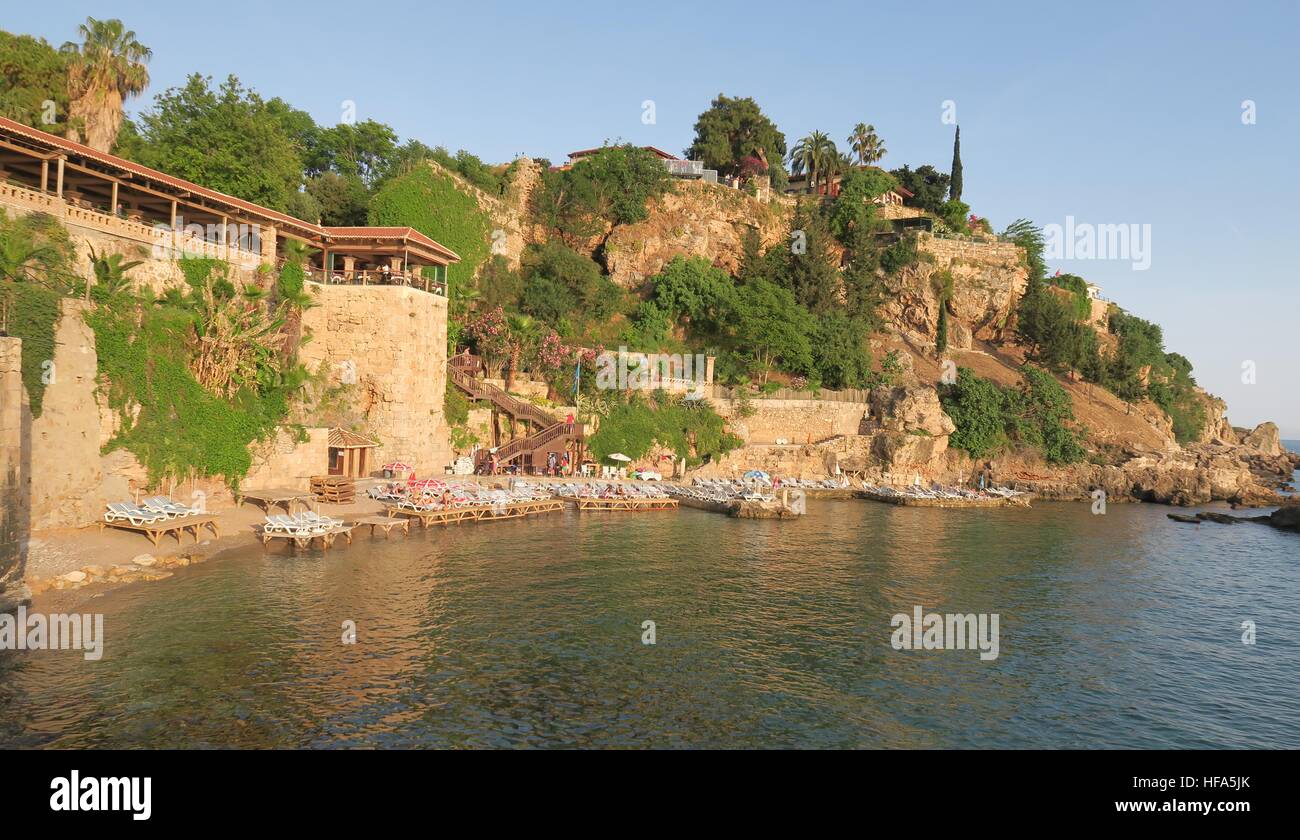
(348, 453)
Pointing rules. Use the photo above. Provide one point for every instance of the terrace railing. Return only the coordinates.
(370, 277)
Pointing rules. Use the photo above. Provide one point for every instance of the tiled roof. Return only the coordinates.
(124, 165)
(660, 152)
(343, 439)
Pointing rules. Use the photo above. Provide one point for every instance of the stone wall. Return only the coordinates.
(390, 342)
(68, 484)
(966, 249)
(794, 421)
(287, 461)
(14, 472)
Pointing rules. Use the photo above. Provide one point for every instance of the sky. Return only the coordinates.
(1183, 116)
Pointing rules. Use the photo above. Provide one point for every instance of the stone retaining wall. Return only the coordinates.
(390, 342)
(795, 421)
(13, 476)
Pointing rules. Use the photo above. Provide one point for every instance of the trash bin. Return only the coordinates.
(388, 473)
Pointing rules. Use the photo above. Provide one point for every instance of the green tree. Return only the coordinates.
(734, 129)
(32, 73)
(609, 187)
(773, 328)
(854, 207)
(1025, 234)
(342, 199)
(104, 70)
(954, 187)
(816, 157)
(692, 290)
(976, 408)
(929, 186)
(811, 271)
(840, 353)
(228, 139)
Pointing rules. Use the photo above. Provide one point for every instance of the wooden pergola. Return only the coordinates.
(348, 453)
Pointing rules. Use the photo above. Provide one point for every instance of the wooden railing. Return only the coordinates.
(513, 449)
(515, 407)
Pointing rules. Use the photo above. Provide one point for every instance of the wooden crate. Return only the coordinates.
(336, 489)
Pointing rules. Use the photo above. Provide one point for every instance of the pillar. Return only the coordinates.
(269, 246)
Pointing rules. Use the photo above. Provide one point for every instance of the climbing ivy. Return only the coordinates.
(430, 202)
(144, 354)
(36, 314)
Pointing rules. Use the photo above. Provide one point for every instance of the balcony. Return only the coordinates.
(372, 277)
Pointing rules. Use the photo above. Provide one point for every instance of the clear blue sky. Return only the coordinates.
(1109, 112)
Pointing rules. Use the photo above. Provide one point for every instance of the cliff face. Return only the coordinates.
(694, 219)
(988, 280)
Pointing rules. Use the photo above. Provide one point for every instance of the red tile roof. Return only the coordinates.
(113, 161)
(660, 152)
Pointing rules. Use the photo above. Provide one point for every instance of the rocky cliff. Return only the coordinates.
(694, 219)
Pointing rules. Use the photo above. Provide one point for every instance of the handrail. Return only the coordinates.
(515, 407)
(514, 448)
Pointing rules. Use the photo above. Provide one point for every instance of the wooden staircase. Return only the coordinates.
(461, 372)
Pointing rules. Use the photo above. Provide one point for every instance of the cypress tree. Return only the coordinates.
(954, 186)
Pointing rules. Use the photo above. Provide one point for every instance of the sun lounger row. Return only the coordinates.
(305, 524)
(611, 490)
(152, 510)
(723, 490)
(938, 491)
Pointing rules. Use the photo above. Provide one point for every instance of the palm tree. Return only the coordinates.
(866, 144)
(110, 275)
(106, 68)
(814, 155)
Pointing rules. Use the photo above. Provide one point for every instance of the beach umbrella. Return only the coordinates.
(618, 456)
(757, 475)
(397, 466)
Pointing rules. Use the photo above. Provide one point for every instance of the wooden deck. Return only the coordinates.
(387, 524)
(179, 527)
(477, 513)
(270, 497)
(304, 541)
(626, 503)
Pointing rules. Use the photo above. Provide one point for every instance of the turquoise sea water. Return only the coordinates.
(1122, 630)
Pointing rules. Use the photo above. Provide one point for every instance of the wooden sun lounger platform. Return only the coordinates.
(477, 513)
(157, 530)
(304, 541)
(270, 497)
(626, 503)
(387, 524)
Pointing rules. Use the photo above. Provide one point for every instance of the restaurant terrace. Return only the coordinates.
(40, 172)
